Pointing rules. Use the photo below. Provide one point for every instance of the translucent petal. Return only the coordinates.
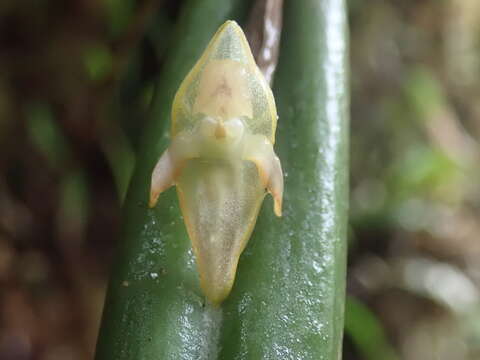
(226, 76)
(220, 201)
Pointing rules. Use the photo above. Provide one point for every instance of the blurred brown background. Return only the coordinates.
(75, 83)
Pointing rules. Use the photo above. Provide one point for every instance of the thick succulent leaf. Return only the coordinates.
(288, 298)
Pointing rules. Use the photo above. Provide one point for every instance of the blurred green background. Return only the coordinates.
(76, 81)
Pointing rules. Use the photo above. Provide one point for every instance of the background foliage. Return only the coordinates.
(76, 81)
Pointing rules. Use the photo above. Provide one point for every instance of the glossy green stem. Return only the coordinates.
(288, 298)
